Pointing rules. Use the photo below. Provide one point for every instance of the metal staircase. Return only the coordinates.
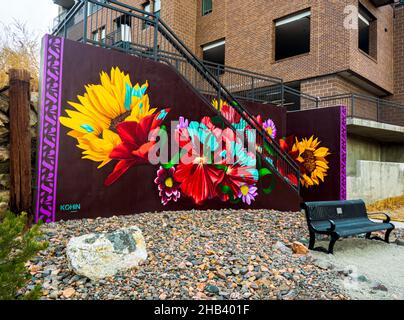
(114, 25)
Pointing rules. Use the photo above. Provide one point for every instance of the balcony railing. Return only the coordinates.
(242, 84)
(57, 20)
(359, 106)
(123, 26)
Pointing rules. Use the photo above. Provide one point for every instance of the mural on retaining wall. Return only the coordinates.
(101, 123)
(113, 122)
(320, 139)
(311, 158)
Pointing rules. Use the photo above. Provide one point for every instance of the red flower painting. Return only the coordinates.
(135, 144)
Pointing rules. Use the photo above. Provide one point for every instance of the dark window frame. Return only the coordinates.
(277, 52)
(156, 12)
(146, 4)
(212, 64)
(207, 9)
(93, 7)
(367, 32)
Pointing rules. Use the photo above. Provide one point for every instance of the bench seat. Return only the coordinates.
(350, 230)
(341, 219)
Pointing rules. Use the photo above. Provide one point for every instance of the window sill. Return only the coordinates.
(368, 55)
(207, 13)
(291, 58)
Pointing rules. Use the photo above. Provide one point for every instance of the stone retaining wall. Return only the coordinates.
(5, 145)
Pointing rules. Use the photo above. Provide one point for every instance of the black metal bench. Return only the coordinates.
(342, 219)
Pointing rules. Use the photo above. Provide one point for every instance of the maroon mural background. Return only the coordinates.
(81, 184)
(329, 126)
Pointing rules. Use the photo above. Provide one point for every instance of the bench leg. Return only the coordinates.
(312, 240)
(387, 236)
(334, 239)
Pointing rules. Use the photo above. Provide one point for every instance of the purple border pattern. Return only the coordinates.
(48, 149)
(343, 152)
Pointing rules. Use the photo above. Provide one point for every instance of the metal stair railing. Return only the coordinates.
(144, 34)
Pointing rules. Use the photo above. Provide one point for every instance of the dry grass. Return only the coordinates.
(19, 48)
(393, 206)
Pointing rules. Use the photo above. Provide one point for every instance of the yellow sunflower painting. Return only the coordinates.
(217, 105)
(103, 106)
(312, 160)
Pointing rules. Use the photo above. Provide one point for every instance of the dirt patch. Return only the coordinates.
(392, 206)
(370, 270)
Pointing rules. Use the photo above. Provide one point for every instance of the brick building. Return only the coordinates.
(348, 52)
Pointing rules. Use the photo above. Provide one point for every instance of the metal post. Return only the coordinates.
(64, 28)
(155, 44)
(282, 94)
(352, 105)
(252, 88)
(85, 15)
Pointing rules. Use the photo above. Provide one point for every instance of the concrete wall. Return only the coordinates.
(375, 169)
(376, 180)
(393, 153)
(361, 149)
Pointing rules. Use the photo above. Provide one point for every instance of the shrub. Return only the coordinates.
(18, 244)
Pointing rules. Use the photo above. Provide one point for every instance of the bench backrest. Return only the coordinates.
(334, 210)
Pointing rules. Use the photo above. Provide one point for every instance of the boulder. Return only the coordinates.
(100, 255)
(299, 248)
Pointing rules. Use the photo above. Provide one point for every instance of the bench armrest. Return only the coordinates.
(332, 228)
(387, 220)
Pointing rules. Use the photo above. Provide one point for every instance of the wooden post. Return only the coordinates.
(20, 141)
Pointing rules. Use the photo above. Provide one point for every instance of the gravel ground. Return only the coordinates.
(195, 255)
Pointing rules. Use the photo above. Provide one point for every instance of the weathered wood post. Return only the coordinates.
(20, 141)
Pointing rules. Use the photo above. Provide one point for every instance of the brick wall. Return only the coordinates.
(399, 55)
(335, 85)
(250, 34)
(378, 70)
(250, 39)
(362, 107)
(330, 85)
(180, 15)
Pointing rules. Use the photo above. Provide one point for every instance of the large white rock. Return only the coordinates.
(100, 255)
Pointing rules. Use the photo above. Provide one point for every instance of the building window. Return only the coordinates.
(95, 36)
(215, 54)
(99, 35)
(157, 8)
(103, 35)
(207, 7)
(123, 27)
(93, 8)
(367, 30)
(292, 35)
(147, 8)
